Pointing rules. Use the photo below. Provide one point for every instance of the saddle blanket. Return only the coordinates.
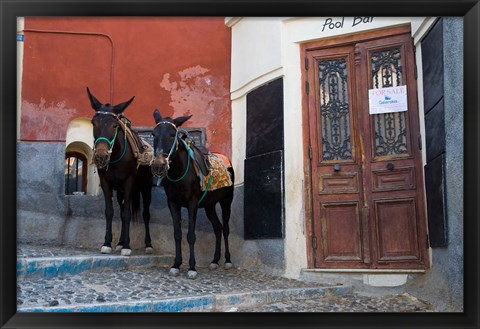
(220, 177)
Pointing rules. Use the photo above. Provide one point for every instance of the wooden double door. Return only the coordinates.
(365, 174)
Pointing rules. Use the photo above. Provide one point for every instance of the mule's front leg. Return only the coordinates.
(177, 235)
(107, 245)
(122, 233)
(191, 237)
(126, 214)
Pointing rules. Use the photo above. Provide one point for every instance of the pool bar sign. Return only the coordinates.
(388, 100)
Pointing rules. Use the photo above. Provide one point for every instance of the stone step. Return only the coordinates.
(47, 261)
(49, 267)
(58, 279)
(152, 289)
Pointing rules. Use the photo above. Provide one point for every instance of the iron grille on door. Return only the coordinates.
(390, 128)
(335, 110)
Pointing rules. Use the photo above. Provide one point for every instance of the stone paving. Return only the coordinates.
(151, 289)
(350, 302)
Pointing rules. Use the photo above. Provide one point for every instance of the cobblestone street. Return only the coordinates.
(60, 280)
(347, 303)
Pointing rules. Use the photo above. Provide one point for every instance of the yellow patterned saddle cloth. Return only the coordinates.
(218, 176)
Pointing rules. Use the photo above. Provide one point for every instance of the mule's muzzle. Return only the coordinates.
(101, 158)
(159, 166)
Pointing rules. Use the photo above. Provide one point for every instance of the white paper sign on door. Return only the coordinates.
(387, 100)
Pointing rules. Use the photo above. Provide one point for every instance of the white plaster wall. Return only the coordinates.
(264, 49)
(239, 137)
(80, 138)
(257, 46)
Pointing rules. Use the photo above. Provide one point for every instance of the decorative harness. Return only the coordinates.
(111, 142)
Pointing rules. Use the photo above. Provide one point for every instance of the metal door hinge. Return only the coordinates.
(314, 242)
(419, 142)
(306, 63)
(307, 87)
(427, 241)
(310, 153)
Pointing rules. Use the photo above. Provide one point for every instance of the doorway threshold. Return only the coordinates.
(363, 270)
(368, 277)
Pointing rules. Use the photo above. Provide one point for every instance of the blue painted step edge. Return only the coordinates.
(49, 267)
(208, 303)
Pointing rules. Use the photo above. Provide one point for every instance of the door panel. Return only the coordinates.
(366, 170)
(392, 180)
(342, 232)
(396, 229)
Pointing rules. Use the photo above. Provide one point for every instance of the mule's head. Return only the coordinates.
(105, 128)
(165, 142)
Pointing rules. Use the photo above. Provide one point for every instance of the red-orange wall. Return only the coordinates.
(179, 65)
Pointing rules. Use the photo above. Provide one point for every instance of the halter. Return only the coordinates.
(173, 149)
(174, 145)
(111, 142)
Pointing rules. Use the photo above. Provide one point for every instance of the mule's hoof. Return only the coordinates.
(192, 275)
(106, 250)
(126, 252)
(149, 250)
(212, 266)
(228, 265)
(174, 271)
(118, 247)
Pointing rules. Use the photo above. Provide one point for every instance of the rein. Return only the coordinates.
(111, 142)
(184, 174)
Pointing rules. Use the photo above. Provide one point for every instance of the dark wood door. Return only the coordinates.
(367, 191)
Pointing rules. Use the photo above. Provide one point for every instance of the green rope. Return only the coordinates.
(184, 174)
(110, 143)
(206, 190)
(124, 148)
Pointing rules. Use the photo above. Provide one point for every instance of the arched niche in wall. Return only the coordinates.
(79, 142)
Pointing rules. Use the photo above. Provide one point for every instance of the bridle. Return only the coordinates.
(173, 149)
(175, 143)
(112, 141)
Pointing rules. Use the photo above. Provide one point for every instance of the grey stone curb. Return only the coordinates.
(50, 267)
(206, 303)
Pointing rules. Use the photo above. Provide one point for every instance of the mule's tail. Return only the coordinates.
(136, 205)
(136, 191)
(143, 185)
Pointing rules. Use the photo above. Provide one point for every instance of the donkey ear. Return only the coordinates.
(119, 108)
(157, 116)
(93, 101)
(180, 120)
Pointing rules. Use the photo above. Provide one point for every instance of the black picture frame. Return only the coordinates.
(469, 9)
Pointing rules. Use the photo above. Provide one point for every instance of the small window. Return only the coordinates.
(75, 173)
